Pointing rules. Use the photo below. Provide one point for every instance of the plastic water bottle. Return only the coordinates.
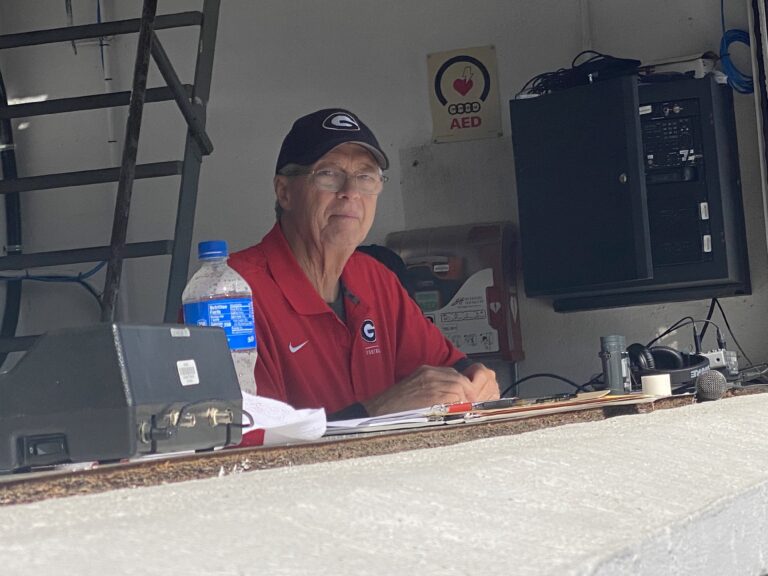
(216, 295)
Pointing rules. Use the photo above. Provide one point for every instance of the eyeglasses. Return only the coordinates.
(329, 180)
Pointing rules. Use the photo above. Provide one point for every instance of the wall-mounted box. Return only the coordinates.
(463, 278)
(630, 194)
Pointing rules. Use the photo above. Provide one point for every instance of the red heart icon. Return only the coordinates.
(462, 85)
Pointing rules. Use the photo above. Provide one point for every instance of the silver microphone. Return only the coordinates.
(710, 385)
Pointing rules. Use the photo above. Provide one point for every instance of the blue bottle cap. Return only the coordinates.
(212, 249)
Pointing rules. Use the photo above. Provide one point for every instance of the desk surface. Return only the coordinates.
(682, 491)
(26, 488)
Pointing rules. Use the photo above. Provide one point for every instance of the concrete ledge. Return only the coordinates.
(728, 537)
(679, 492)
(41, 485)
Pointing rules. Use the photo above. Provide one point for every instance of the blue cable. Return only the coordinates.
(79, 278)
(58, 277)
(739, 81)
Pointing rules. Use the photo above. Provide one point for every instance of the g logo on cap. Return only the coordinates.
(340, 121)
(368, 331)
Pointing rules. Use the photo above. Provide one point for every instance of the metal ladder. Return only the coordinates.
(192, 101)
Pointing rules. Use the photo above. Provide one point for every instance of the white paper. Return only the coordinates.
(418, 415)
(405, 419)
(281, 422)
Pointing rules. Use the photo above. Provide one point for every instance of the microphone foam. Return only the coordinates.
(710, 385)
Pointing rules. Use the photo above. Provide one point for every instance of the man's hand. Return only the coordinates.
(483, 382)
(431, 385)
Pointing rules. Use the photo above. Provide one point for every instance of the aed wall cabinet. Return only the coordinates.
(630, 193)
(463, 279)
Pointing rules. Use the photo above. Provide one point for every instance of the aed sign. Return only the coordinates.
(464, 94)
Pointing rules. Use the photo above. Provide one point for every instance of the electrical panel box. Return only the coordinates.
(463, 278)
(630, 194)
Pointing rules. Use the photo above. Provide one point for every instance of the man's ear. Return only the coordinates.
(282, 192)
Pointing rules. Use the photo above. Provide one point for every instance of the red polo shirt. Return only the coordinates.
(308, 357)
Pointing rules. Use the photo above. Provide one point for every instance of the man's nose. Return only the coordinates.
(350, 188)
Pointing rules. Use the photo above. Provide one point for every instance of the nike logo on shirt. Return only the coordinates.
(295, 349)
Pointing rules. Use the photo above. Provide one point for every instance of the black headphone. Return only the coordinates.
(683, 368)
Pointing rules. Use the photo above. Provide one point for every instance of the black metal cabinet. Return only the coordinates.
(629, 194)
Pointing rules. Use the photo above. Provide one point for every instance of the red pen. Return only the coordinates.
(459, 407)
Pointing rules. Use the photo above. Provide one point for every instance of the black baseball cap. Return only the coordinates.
(316, 134)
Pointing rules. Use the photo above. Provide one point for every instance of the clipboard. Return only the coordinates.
(520, 408)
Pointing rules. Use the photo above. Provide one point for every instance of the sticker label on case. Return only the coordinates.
(187, 372)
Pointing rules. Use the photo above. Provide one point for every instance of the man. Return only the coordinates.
(334, 326)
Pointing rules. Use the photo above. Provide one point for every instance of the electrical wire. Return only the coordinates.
(753, 373)
(80, 279)
(683, 322)
(250, 424)
(596, 379)
(88, 287)
(733, 336)
(509, 388)
(175, 421)
(738, 80)
(596, 67)
(595, 56)
(709, 317)
(689, 319)
(677, 325)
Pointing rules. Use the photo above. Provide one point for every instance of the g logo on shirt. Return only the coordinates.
(368, 331)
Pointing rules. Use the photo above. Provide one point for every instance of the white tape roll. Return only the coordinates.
(657, 385)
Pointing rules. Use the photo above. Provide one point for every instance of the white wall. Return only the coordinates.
(651, 31)
(276, 60)
(567, 344)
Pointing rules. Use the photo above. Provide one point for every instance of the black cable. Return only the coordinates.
(597, 378)
(709, 317)
(595, 56)
(186, 408)
(733, 336)
(682, 323)
(543, 83)
(597, 67)
(758, 373)
(677, 325)
(251, 421)
(540, 375)
(92, 291)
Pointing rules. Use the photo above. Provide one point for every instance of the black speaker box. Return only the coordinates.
(114, 391)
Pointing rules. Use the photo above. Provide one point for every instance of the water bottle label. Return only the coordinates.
(234, 315)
